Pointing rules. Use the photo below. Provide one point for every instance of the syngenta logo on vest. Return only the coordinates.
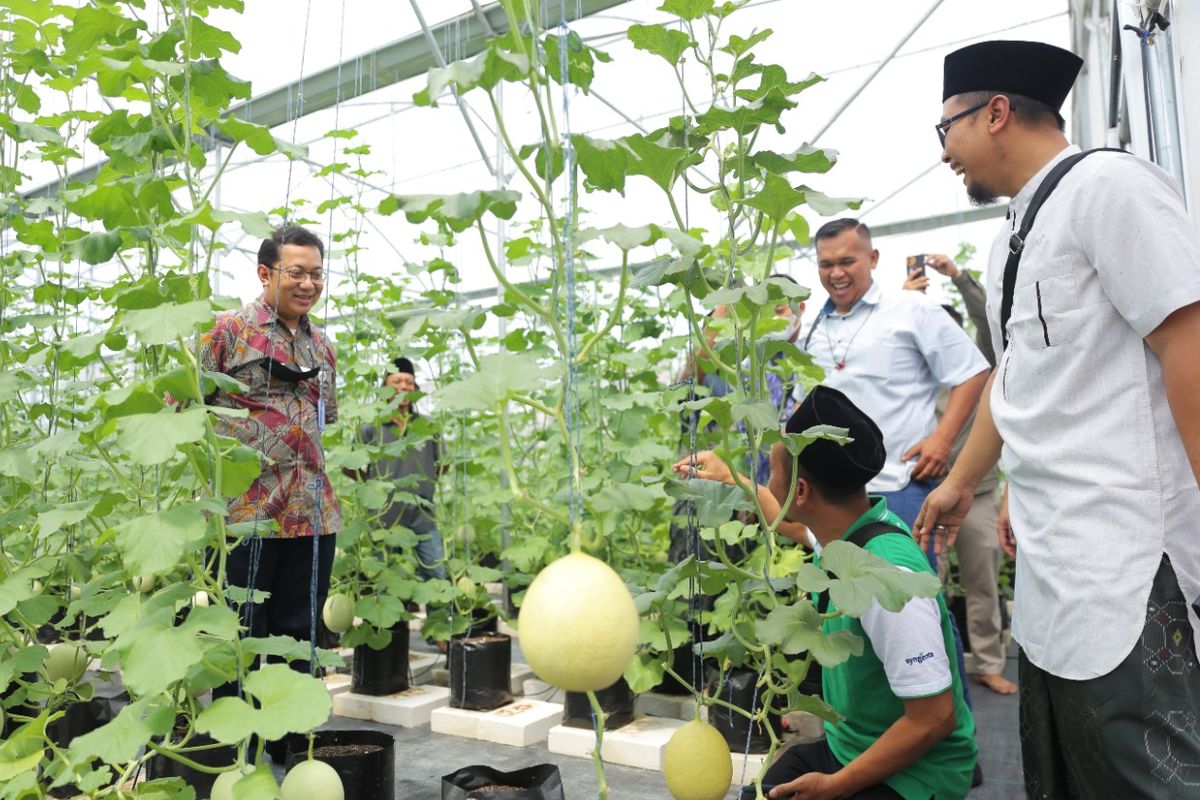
(918, 659)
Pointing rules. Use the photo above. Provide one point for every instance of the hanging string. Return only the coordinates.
(298, 109)
(565, 43)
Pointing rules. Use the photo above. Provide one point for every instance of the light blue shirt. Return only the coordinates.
(896, 349)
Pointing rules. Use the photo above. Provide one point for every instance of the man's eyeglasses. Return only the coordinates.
(297, 275)
(943, 126)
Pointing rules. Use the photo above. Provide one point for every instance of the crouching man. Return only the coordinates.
(905, 732)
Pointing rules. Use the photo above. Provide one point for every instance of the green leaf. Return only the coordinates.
(626, 497)
(289, 702)
(581, 66)
(659, 162)
(21, 752)
(666, 43)
(603, 162)
(122, 739)
(737, 45)
(811, 578)
(687, 9)
(167, 322)
(17, 464)
(483, 71)
(828, 206)
(643, 672)
(796, 629)
(805, 158)
(776, 199)
(459, 211)
(95, 248)
(757, 414)
(863, 577)
(152, 543)
(153, 438)
(64, 514)
(715, 502)
(499, 376)
(623, 236)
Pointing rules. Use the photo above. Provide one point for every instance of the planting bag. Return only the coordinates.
(480, 668)
(364, 760)
(616, 702)
(738, 689)
(380, 672)
(540, 782)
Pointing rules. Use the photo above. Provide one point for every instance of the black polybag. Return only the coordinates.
(616, 702)
(480, 670)
(539, 782)
(738, 688)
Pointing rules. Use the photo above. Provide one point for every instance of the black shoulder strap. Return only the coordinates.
(860, 537)
(1016, 242)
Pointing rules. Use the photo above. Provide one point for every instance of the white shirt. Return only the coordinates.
(1100, 484)
(898, 348)
(910, 646)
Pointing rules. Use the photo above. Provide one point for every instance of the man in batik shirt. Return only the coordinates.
(288, 367)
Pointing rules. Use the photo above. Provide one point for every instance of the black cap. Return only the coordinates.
(402, 364)
(850, 466)
(1034, 69)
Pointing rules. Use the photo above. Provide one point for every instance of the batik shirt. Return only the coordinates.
(293, 488)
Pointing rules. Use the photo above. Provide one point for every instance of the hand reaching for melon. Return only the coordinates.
(811, 786)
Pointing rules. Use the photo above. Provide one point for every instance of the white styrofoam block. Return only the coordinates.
(668, 706)
(411, 708)
(421, 667)
(337, 682)
(637, 744)
(506, 629)
(519, 724)
(746, 767)
(536, 689)
(455, 722)
(518, 673)
(414, 624)
(352, 705)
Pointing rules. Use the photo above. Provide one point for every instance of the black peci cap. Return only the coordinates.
(1036, 70)
(850, 466)
(403, 364)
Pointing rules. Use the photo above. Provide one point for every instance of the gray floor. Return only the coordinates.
(422, 757)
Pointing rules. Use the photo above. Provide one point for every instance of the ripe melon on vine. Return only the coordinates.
(66, 661)
(338, 613)
(696, 763)
(312, 780)
(578, 624)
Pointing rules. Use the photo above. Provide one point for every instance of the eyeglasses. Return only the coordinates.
(297, 275)
(945, 124)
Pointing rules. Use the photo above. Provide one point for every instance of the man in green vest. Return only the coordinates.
(906, 732)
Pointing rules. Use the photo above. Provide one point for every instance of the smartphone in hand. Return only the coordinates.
(916, 266)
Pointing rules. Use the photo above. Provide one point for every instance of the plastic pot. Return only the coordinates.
(364, 760)
(480, 669)
(160, 766)
(616, 702)
(379, 672)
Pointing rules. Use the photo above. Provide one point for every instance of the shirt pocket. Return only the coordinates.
(1050, 314)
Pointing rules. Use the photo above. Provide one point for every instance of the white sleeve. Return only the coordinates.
(951, 355)
(909, 643)
(1140, 241)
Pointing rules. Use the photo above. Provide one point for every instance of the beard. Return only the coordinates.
(981, 195)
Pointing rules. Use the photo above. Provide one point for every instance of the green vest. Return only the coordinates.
(859, 690)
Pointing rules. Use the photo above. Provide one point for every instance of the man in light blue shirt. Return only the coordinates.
(890, 353)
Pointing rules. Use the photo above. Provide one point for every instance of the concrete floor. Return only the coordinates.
(422, 757)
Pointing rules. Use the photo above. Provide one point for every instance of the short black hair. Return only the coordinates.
(1033, 113)
(839, 226)
(269, 252)
(785, 276)
(838, 495)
